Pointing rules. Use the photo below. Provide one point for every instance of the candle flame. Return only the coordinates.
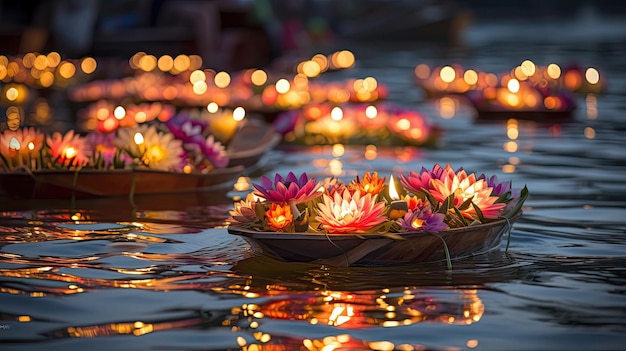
(14, 144)
(371, 112)
(393, 193)
(69, 152)
(239, 114)
(336, 113)
(31, 146)
(138, 138)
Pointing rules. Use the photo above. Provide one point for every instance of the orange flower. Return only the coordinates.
(371, 184)
(279, 216)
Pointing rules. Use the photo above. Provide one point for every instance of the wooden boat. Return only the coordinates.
(246, 148)
(342, 250)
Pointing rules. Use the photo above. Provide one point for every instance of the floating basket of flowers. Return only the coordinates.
(437, 214)
(174, 157)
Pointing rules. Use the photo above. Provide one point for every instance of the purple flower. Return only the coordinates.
(286, 122)
(215, 152)
(498, 188)
(185, 128)
(423, 220)
(290, 189)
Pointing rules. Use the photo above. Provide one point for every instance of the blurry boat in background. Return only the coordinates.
(420, 20)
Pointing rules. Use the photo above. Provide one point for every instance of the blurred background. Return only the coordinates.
(250, 33)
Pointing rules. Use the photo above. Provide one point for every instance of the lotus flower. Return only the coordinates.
(441, 183)
(215, 152)
(185, 128)
(279, 216)
(423, 218)
(21, 146)
(69, 149)
(370, 184)
(290, 189)
(105, 154)
(153, 149)
(33, 141)
(499, 188)
(244, 211)
(416, 182)
(350, 213)
(466, 187)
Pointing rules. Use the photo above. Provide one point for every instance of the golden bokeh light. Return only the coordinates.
(282, 86)
(371, 112)
(258, 77)
(336, 113)
(447, 74)
(513, 85)
(592, 75)
(222, 79)
(197, 76)
(165, 63)
(470, 77)
(554, 71)
(239, 113)
(88, 65)
(67, 69)
(212, 107)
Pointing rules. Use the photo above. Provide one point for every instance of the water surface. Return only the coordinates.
(166, 275)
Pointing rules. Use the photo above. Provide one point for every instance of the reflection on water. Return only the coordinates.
(162, 272)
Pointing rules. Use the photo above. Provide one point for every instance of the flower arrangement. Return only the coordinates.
(380, 124)
(429, 201)
(181, 145)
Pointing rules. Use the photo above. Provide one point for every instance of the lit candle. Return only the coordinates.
(138, 138)
(225, 125)
(398, 208)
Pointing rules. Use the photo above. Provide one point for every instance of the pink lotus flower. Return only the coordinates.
(215, 152)
(105, 154)
(68, 150)
(441, 183)
(416, 182)
(350, 213)
(289, 189)
(464, 187)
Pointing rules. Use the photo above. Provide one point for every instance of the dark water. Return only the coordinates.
(167, 275)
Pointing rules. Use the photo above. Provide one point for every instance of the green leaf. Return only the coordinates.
(460, 217)
(479, 213)
(466, 204)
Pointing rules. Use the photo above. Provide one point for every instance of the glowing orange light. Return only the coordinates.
(69, 152)
(258, 77)
(88, 65)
